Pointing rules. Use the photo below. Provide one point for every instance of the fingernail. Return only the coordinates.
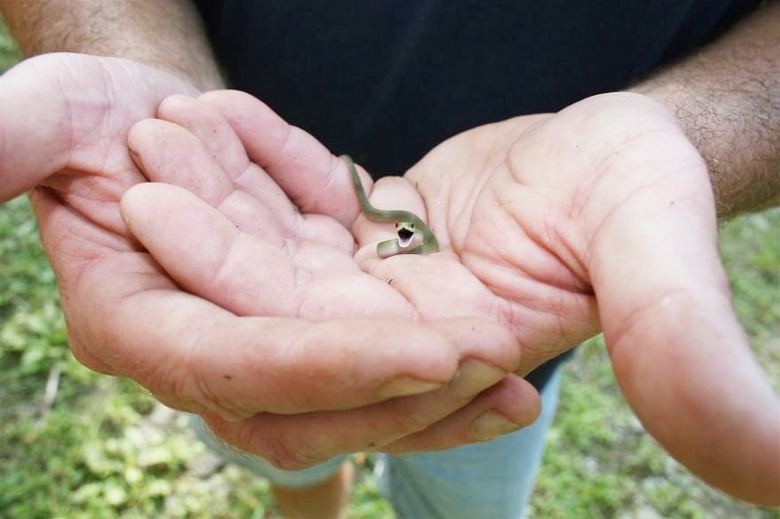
(473, 376)
(490, 424)
(405, 386)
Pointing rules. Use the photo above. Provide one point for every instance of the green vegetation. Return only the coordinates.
(77, 444)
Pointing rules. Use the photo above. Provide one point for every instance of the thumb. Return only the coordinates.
(677, 348)
(34, 128)
(62, 110)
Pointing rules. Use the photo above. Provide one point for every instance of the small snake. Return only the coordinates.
(414, 237)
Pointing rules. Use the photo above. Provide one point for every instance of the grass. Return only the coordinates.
(102, 447)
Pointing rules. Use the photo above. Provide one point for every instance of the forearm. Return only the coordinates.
(164, 34)
(727, 98)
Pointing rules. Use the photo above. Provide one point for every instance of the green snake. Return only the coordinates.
(414, 236)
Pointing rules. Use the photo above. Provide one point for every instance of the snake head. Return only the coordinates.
(408, 242)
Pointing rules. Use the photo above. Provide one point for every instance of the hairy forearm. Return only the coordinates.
(727, 98)
(165, 34)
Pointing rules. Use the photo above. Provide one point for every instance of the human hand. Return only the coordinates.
(600, 215)
(555, 225)
(64, 126)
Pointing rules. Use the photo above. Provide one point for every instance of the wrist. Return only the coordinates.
(740, 149)
(165, 35)
(727, 100)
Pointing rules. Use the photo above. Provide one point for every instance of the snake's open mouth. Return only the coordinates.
(405, 237)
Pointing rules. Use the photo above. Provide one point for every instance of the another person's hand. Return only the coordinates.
(64, 122)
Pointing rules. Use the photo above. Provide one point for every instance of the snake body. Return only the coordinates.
(414, 236)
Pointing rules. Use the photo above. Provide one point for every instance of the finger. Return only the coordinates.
(198, 357)
(209, 135)
(38, 99)
(683, 363)
(214, 132)
(505, 407)
(33, 115)
(315, 180)
(297, 441)
(238, 367)
(247, 274)
(170, 153)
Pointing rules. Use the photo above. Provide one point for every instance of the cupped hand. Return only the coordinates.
(600, 216)
(222, 229)
(315, 388)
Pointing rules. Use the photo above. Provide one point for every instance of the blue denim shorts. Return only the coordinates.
(493, 479)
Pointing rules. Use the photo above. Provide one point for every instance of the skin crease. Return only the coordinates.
(561, 274)
(690, 379)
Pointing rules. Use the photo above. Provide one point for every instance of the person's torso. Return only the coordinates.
(388, 80)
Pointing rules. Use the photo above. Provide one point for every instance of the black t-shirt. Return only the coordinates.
(386, 80)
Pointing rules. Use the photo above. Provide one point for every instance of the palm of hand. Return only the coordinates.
(520, 206)
(603, 216)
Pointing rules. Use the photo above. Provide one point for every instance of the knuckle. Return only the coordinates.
(279, 444)
(291, 454)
